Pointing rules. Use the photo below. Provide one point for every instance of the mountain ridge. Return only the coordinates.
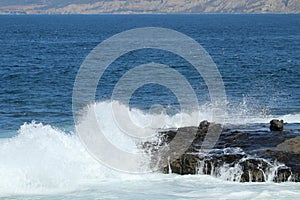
(147, 6)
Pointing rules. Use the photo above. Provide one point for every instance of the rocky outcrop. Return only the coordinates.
(244, 156)
(276, 125)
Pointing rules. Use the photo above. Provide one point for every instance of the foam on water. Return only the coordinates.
(233, 173)
(290, 118)
(241, 114)
(42, 159)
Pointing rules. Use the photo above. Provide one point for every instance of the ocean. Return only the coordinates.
(41, 155)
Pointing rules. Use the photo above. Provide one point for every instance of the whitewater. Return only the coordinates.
(41, 153)
(45, 160)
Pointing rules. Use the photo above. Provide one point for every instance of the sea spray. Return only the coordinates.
(238, 171)
(236, 114)
(42, 158)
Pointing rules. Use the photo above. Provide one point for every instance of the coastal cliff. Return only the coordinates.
(147, 6)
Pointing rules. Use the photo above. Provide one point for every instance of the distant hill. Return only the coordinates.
(147, 6)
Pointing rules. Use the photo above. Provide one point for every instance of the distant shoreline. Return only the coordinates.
(120, 14)
(150, 7)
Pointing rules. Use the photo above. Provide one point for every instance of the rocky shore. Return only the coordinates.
(243, 153)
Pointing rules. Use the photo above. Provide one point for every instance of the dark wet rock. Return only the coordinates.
(203, 127)
(283, 174)
(254, 170)
(290, 160)
(253, 176)
(253, 153)
(207, 134)
(253, 140)
(276, 125)
(186, 164)
(168, 136)
(212, 163)
(171, 146)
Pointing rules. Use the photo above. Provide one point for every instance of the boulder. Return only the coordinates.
(276, 125)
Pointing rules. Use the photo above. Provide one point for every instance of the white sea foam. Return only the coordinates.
(290, 118)
(42, 159)
(153, 121)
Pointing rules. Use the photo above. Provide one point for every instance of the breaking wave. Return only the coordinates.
(42, 158)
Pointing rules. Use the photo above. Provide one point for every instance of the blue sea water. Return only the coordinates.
(258, 57)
